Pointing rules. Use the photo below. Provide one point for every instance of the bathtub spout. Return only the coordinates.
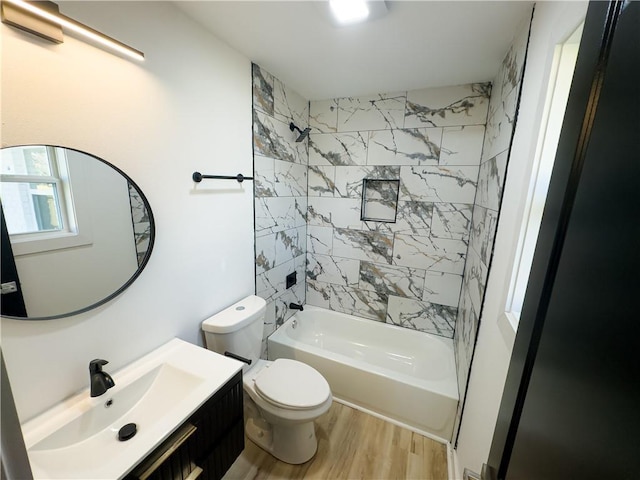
(296, 306)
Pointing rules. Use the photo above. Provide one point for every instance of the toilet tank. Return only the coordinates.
(237, 329)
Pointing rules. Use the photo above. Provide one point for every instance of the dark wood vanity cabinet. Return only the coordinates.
(205, 445)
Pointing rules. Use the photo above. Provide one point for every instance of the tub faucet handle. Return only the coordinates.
(296, 306)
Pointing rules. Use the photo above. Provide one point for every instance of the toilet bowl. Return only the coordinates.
(282, 397)
(288, 396)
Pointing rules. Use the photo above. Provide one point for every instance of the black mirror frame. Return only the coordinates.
(141, 266)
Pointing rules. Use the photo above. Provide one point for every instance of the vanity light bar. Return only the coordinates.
(71, 24)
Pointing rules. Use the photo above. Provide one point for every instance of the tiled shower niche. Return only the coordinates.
(379, 200)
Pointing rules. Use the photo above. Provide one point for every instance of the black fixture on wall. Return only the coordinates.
(198, 177)
(303, 133)
(291, 279)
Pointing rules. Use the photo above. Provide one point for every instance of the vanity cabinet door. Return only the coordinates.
(219, 437)
(205, 446)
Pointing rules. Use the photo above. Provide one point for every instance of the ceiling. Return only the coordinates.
(417, 44)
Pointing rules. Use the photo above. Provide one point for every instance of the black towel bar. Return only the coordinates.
(197, 177)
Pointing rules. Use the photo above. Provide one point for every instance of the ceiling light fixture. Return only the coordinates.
(21, 15)
(341, 13)
(349, 11)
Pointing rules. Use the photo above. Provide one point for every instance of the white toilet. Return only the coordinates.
(283, 397)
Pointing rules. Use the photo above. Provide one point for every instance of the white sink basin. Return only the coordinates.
(79, 438)
(140, 402)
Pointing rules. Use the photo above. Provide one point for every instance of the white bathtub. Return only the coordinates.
(406, 376)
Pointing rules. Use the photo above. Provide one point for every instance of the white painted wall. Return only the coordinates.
(186, 108)
(553, 22)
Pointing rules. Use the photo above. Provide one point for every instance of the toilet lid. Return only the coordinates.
(292, 384)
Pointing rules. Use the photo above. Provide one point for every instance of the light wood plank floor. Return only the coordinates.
(351, 445)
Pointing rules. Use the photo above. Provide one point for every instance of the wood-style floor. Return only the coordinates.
(351, 445)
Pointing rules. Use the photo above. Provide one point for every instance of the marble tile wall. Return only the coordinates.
(408, 272)
(447, 146)
(484, 217)
(280, 192)
(141, 224)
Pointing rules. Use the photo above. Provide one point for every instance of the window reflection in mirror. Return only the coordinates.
(32, 189)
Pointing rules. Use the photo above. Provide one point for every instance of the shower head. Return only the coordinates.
(303, 133)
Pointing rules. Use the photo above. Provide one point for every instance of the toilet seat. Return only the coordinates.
(291, 384)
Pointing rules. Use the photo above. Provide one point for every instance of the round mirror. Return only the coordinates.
(76, 231)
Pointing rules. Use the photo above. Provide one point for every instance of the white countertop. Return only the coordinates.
(102, 455)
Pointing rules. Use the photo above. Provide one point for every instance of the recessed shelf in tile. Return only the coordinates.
(380, 200)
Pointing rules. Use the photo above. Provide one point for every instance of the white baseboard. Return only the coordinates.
(452, 463)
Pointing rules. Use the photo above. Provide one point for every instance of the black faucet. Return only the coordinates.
(296, 306)
(100, 381)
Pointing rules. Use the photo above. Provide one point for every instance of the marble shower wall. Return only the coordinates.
(141, 223)
(280, 193)
(409, 272)
(495, 153)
